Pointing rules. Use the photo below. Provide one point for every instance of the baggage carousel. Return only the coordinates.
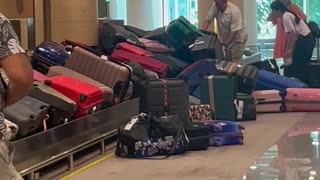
(60, 144)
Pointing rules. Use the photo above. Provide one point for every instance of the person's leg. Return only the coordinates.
(236, 52)
(7, 170)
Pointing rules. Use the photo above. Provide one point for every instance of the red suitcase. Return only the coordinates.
(88, 97)
(147, 62)
(302, 100)
(268, 101)
(37, 76)
(133, 49)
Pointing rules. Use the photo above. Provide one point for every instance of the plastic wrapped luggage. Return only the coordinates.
(268, 65)
(147, 62)
(61, 107)
(133, 49)
(11, 130)
(226, 133)
(108, 92)
(208, 46)
(220, 92)
(110, 35)
(302, 100)
(139, 32)
(111, 73)
(29, 114)
(271, 81)
(37, 76)
(156, 47)
(198, 135)
(159, 35)
(194, 73)
(88, 97)
(48, 54)
(268, 101)
(182, 33)
(246, 107)
(175, 65)
(165, 96)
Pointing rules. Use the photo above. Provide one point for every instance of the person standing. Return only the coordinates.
(300, 41)
(281, 36)
(231, 28)
(19, 71)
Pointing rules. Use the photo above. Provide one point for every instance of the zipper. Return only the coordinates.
(228, 134)
(268, 102)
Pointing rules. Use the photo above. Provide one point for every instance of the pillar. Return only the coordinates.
(145, 14)
(118, 9)
(250, 16)
(73, 19)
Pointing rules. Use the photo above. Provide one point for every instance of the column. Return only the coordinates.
(250, 16)
(75, 20)
(145, 14)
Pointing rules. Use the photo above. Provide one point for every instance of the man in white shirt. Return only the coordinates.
(231, 28)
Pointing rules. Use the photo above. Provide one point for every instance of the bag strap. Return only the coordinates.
(211, 95)
(165, 97)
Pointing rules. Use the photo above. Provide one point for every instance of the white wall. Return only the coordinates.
(250, 17)
(118, 9)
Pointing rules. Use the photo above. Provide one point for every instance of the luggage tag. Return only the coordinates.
(105, 58)
(239, 107)
(131, 123)
(196, 43)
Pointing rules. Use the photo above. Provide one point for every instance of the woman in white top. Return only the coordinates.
(300, 42)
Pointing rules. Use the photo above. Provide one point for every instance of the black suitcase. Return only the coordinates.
(208, 46)
(159, 35)
(199, 136)
(110, 35)
(152, 98)
(61, 107)
(175, 65)
(139, 32)
(313, 71)
(28, 113)
(246, 107)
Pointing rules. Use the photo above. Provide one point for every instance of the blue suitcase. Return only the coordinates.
(194, 73)
(225, 133)
(271, 81)
(48, 54)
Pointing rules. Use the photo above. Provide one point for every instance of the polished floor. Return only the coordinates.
(230, 163)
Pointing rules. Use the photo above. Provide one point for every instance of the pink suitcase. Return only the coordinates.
(37, 76)
(302, 100)
(268, 101)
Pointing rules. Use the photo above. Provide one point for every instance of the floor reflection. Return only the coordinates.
(294, 157)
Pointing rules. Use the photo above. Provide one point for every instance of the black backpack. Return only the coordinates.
(314, 28)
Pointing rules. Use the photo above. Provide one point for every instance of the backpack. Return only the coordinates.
(314, 28)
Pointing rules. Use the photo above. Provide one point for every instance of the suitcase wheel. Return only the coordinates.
(283, 108)
(82, 98)
(47, 82)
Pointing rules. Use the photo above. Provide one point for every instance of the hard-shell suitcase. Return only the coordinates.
(220, 92)
(302, 100)
(194, 73)
(29, 114)
(147, 62)
(111, 73)
(159, 35)
(207, 46)
(155, 46)
(139, 32)
(226, 133)
(198, 135)
(165, 96)
(175, 65)
(271, 81)
(48, 54)
(88, 97)
(11, 130)
(37, 76)
(182, 33)
(133, 49)
(243, 71)
(246, 107)
(61, 107)
(110, 35)
(268, 101)
(107, 92)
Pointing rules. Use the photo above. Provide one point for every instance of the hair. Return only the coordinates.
(279, 6)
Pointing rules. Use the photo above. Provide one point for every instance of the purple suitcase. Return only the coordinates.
(225, 133)
(194, 73)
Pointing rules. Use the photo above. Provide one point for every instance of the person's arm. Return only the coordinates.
(14, 63)
(211, 15)
(236, 26)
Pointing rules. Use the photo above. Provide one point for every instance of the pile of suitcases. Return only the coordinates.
(174, 70)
